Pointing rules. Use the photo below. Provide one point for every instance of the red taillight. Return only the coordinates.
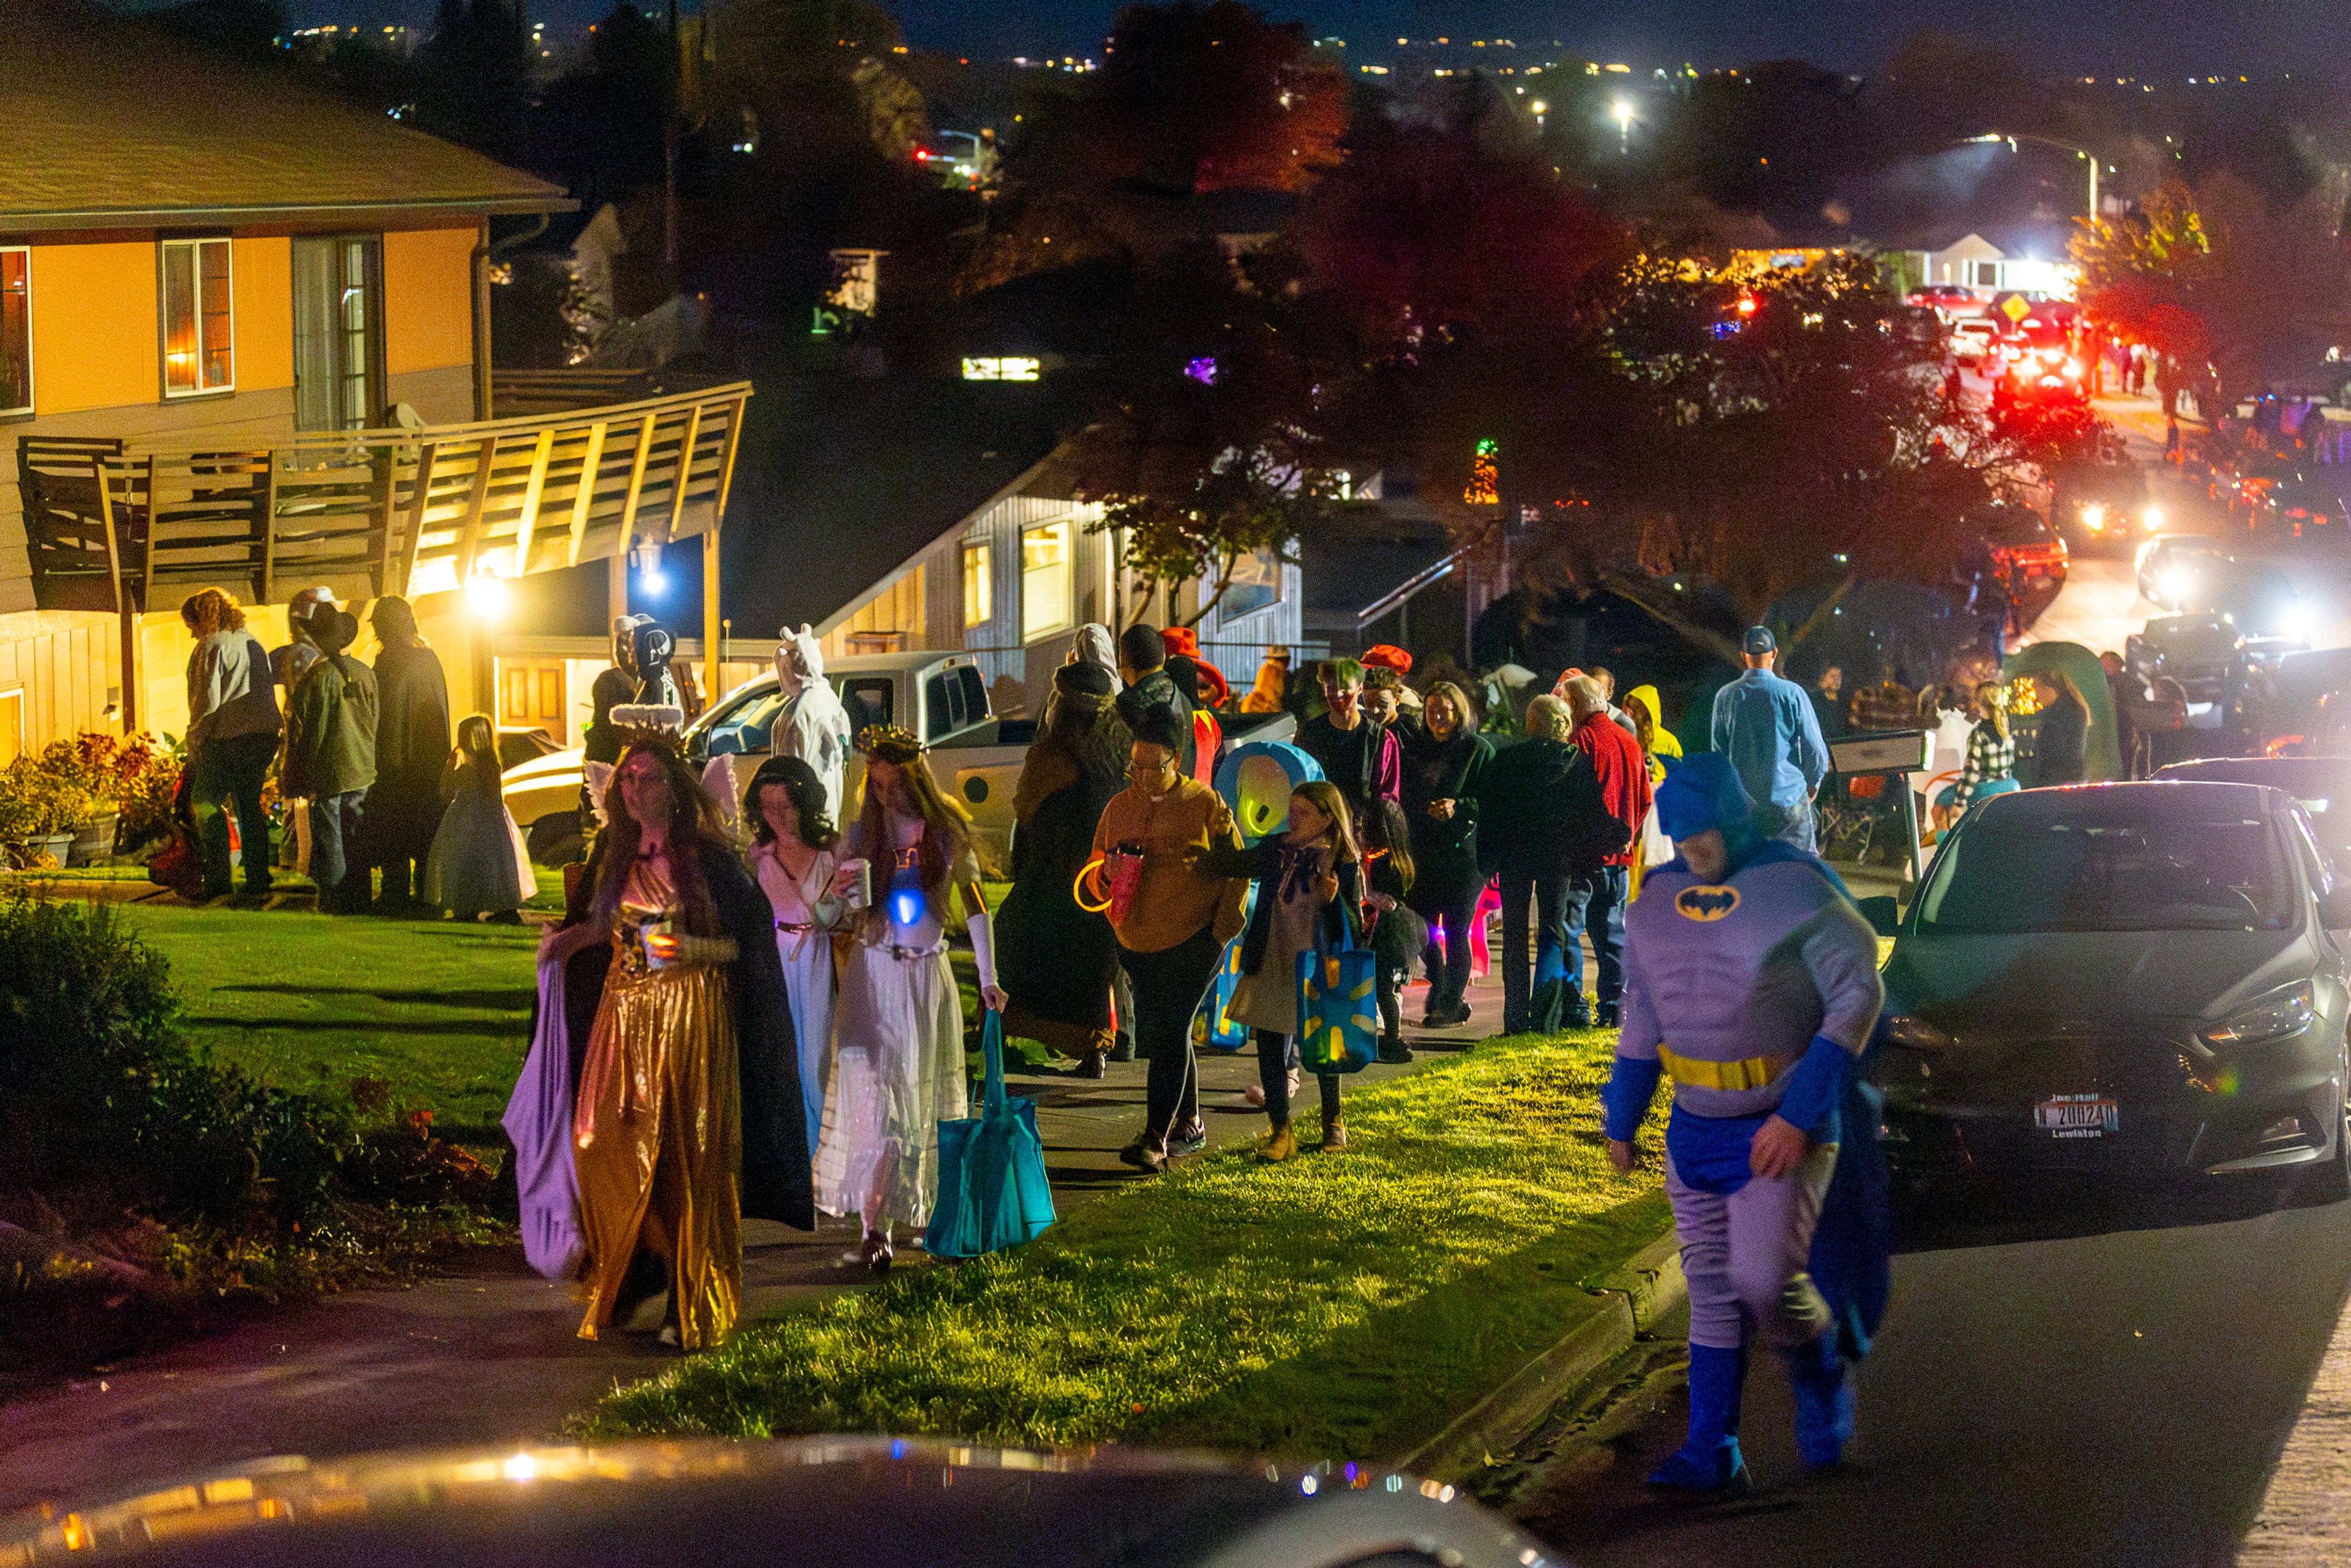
(922, 154)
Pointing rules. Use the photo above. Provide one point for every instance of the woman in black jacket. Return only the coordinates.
(1310, 891)
(2060, 742)
(1444, 761)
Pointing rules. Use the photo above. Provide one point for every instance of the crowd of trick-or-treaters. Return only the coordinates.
(749, 1004)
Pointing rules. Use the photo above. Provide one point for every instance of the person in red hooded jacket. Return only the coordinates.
(1595, 899)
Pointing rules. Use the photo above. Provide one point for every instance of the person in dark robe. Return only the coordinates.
(412, 743)
(1058, 961)
(615, 684)
(2060, 742)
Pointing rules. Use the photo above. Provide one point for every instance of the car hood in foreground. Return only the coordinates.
(873, 1502)
(1958, 982)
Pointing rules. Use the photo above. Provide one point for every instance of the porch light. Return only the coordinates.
(487, 598)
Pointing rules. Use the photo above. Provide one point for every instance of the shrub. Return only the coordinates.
(104, 1105)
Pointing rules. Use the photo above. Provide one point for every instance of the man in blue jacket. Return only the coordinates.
(1752, 981)
(1766, 726)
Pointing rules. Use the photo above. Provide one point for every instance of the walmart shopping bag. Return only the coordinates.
(1212, 1028)
(1338, 1014)
(993, 1192)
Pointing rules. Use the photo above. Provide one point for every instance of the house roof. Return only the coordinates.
(843, 482)
(114, 123)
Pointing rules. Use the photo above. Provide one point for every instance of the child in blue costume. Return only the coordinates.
(1752, 981)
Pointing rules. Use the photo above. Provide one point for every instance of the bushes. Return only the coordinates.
(104, 1105)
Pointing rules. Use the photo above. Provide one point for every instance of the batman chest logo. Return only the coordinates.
(1705, 903)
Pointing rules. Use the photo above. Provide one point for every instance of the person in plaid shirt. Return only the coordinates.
(1991, 750)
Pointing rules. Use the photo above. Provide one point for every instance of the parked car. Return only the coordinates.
(2297, 506)
(2171, 565)
(2138, 981)
(1971, 340)
(2201, 652)
(522, 743)
(942, 698)
(1953, 300)
(877, 1502)
(2320, 785)
(2028, 553)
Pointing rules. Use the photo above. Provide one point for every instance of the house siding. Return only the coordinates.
(1020, 674)
(428, 309)
(97, 371)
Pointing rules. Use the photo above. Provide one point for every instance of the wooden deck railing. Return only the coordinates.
(516, 393)
(112, 527)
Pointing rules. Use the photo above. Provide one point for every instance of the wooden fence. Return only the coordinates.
(110, 528)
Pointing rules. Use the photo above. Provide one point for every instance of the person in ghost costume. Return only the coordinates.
(813, 725)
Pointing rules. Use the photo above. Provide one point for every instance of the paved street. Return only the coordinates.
(2114, 1398)
(2100, 605)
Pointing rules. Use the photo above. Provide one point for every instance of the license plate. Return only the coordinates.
(2077, 1116)
(2033, 571)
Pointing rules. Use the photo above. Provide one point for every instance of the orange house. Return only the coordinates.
(198, 254)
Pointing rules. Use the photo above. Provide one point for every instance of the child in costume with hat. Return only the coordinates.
(897, 1068)
(1752, 981)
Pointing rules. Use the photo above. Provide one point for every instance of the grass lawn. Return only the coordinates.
(439, 1012)
(1338, 1305)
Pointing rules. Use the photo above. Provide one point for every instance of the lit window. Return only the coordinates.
(978, 595)
(198, 322)
(1002, 368)
(1048, 581)
(16, 331)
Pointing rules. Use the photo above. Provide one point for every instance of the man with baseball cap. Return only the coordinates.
(1765, 727)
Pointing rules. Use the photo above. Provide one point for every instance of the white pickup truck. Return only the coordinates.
(942, 698)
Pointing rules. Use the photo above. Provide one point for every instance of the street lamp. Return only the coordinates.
(2081, 153)
(1541, 109)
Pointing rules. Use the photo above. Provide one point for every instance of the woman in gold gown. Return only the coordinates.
(688, 1112)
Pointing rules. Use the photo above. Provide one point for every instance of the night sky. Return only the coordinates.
(2119, 36)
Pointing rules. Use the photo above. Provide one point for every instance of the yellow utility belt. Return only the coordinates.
(1754, 1072)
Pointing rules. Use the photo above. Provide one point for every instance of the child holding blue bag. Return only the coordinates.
(1309, 886)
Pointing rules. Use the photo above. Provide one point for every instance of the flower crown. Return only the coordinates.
(889, 743)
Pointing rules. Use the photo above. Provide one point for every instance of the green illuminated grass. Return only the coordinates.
(1341, 1305)
(438, 1013)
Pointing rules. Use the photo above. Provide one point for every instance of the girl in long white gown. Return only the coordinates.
(795, 855)
(897, 1066)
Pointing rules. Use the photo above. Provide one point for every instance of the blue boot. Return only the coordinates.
(1824, 1401)
(1710, 1462)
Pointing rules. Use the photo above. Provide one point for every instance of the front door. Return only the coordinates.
(338, 333)
(530, 693)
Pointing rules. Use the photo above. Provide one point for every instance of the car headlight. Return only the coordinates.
(2152, 517)
(2173, 583)
(2275, 1016)
(1905, 1031)
(2094, 517)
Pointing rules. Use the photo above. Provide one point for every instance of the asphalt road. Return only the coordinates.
(2118, 1397)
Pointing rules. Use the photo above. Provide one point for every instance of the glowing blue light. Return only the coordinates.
(1203, 370)
(907, 905)
(654, 580)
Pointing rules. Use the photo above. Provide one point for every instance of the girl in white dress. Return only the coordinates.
(477, 865)
(795, 856)
(897, 1066)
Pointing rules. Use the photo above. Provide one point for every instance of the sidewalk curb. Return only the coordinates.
(1648, 1286)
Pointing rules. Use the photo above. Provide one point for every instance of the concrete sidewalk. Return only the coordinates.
(486, 1353)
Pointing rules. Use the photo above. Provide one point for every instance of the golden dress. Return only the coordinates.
(658, 1135)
